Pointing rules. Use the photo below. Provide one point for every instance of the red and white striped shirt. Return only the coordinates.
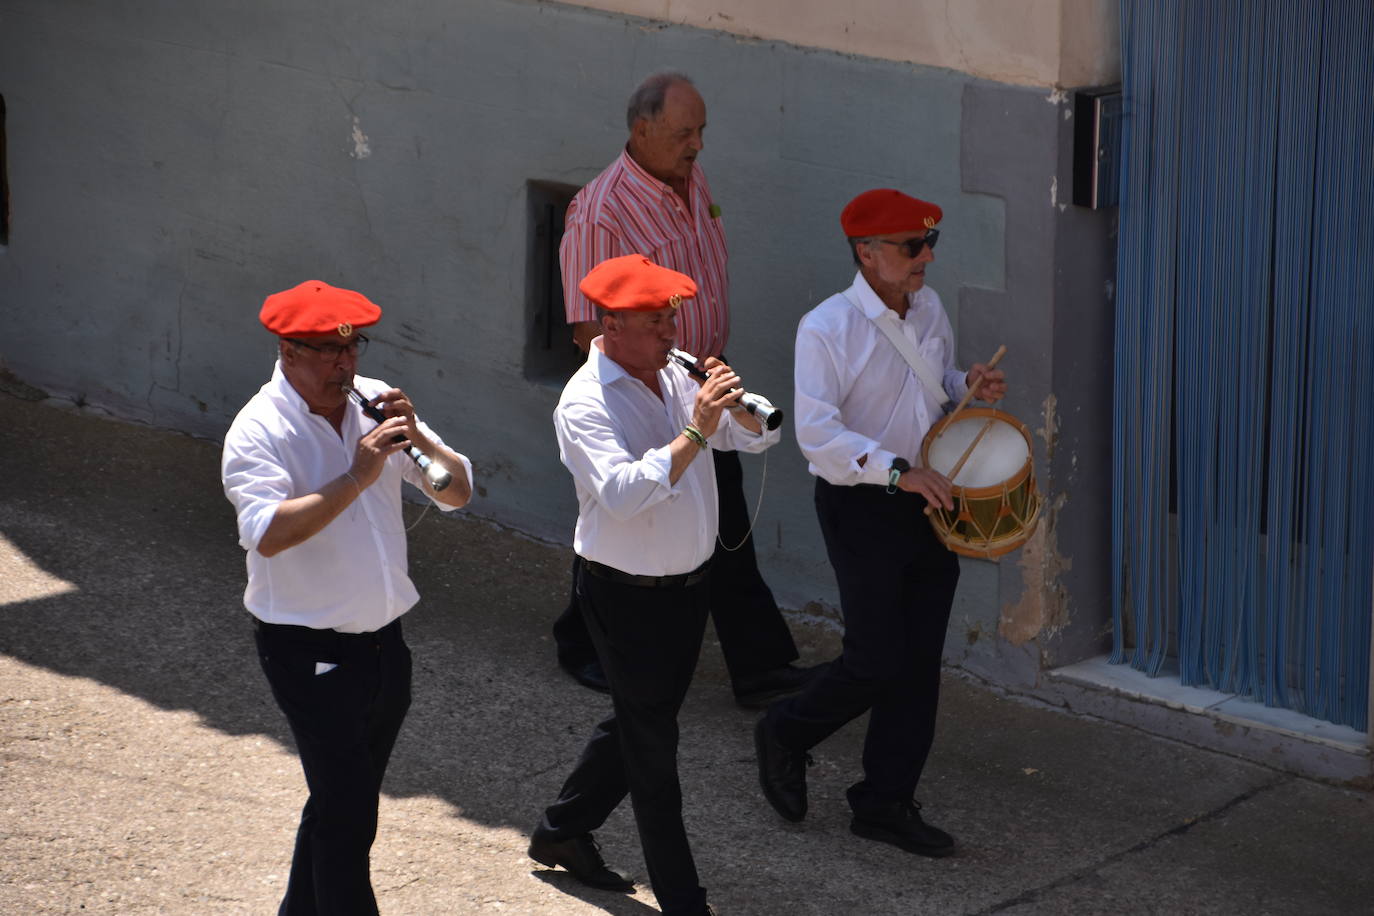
(625, 210)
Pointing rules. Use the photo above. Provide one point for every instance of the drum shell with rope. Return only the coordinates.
(996, 503)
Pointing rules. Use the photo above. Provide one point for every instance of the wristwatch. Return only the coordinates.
(894, 473)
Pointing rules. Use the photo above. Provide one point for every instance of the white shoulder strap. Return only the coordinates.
(904, 346)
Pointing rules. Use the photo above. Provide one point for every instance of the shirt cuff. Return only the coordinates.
(956, 384)
(876, 468)
(658, 466)
(467, 466)
(254, 522)
(733, 436)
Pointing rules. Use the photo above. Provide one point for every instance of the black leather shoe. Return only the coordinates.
(754, 690)
(589, 675)
(901, 825)
(782, 773)
(581, 856)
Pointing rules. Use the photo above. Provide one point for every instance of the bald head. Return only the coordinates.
(647, 99)
(667, 118)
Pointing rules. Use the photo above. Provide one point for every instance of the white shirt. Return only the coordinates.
(352, 575)
(856, 395)
(613, 436)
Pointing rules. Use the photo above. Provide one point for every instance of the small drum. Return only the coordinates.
(996, 505)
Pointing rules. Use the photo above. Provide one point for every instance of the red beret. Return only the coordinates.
(317, 308)
(883, 211)
(633, 283)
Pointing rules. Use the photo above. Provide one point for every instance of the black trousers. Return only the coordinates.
(753, 635)
(648, 640)
(345, 722)
(896, 583)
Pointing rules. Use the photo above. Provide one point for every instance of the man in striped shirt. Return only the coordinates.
(654, 199)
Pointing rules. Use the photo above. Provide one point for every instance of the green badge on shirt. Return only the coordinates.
(714, 210)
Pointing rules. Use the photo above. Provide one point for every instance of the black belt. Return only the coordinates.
(326, 637)
(611, 574)
(867, 488)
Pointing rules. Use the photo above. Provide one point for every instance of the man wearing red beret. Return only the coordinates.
(654, 199)
(632, 429)
(316, 486)
(863, 409)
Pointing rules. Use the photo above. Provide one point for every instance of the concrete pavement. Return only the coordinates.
(146, 769)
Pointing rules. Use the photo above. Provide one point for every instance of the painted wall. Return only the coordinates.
(173, 163)
(1043, 43)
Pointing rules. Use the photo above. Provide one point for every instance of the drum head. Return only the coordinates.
(1002, 452)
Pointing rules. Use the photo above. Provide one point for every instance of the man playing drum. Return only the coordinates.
(862, 410)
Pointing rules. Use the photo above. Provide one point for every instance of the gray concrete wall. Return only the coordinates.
(173, 163)
(1048, 603)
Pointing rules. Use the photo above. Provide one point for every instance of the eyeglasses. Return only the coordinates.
(912, 247)
(331, 352)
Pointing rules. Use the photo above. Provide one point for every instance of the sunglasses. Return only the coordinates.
(912, 247)
(331, 352)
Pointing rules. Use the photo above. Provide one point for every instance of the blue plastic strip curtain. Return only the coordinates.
(1243, 438)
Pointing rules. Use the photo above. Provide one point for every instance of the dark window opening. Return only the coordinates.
(550, 354)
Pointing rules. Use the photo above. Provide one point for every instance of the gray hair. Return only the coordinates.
(647, 100)
(854, 243)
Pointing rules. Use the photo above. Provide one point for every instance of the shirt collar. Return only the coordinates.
(871, 305)
(648, 183)
(280, 390)
(607, 370)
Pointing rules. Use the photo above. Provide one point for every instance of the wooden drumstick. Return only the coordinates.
(959, 465)
(992, 364)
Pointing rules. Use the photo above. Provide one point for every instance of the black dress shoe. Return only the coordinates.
(581, 856)
(782, 773)
(901, 825)
(589, 675)
(754, 690)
